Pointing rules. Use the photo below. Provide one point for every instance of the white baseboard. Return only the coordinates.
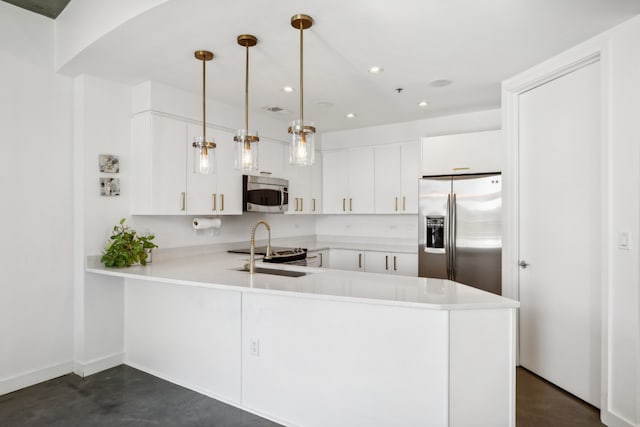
(612, 420)
(26, 379)
(91, 367)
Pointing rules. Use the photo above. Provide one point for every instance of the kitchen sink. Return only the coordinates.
(275, 271)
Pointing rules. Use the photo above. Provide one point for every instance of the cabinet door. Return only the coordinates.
(347, 259)
(475, 152)
(201, 189)
(379, 262)
(409, 176)
(168, 159)
(298, 177)
(361, 177)
(229, 180)
(271, 159)
(387, 179)
(315, 187)
(404, 264)
(334, 182)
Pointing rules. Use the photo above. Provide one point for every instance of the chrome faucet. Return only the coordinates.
(252, 259)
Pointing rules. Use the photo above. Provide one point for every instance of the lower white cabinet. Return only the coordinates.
(403, 264)
(318, 258)
(347, 259)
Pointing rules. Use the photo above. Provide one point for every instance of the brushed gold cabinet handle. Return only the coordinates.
(350, 205)
(359, 260)
(265, 173)
(214, 200)
(396, 205)
(183, 197)
(222, 202)
(386, 262)
(404, 203)
(320, 259)
(343, 205)
(297, 208)
(395, 263)
(314, 204)
(301, 204)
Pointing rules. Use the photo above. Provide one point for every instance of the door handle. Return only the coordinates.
(359, 260)
(404, 203)
(454, 235)
(222, 202)
(343, 205)
(320, 259)
(523, 264)
(296, 209)
(314, 204)
(447, 237)
(386, 262)
(183, 197)
(396, 205)
(350, 205)
(395, 263)
(301, 204)
(214, 197)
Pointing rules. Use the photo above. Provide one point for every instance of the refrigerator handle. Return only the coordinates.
(454, 232)
(447, 239)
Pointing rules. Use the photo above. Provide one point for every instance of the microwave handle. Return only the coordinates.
(281, 198)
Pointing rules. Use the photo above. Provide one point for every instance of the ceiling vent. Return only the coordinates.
(276, 109)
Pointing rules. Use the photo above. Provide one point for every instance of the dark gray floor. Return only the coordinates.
(122, 396)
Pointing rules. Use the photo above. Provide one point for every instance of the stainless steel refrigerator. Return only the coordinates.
(460, 229)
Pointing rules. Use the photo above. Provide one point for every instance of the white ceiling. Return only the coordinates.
(477, 44)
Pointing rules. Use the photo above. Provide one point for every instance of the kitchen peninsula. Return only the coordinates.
(332, 347)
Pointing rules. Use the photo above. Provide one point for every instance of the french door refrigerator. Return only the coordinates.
(460, 229)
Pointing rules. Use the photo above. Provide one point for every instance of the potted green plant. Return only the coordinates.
(125, 247)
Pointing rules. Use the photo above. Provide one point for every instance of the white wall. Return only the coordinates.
(36, 246)
(403, 227)
(624, 269)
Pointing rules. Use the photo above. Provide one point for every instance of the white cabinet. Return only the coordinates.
(475, 152)
(163, 181)
(318, 258)
(347, 259)
(397, 170)
(305, 187)
(404, 264)
(347, 181)
(271, 156)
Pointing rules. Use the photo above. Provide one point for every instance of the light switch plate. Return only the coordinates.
(623, 240)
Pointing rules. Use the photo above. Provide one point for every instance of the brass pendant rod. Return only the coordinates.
(246, 92)
(301, 78)
(204, 103)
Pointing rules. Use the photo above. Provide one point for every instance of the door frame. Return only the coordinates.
(592, 51)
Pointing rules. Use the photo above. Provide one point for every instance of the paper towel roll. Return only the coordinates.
(206, 223)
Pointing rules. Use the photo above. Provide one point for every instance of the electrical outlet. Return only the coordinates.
(254, 347)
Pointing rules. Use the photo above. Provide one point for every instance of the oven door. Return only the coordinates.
(269, 195)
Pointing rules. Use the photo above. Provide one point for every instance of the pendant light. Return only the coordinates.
(203, 147)
(246, 140)
(302, 148)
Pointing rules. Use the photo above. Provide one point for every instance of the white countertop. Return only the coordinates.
(219, 270)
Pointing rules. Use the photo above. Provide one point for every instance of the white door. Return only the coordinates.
(379, 262)
(335, 166)
(345, 259)
(229, 179)
(168, 184)
(409, 176)
(361, 175)
(315, 186)
(559, 221)
(387, 179)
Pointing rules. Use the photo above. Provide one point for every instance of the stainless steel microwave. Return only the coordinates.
(264, 194)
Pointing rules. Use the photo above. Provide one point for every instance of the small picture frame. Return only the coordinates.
(109, 163)
(109, 187)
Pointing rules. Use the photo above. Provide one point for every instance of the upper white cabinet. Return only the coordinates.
(397, 170)
(476, 152)
(163, 181)
(271, 156)
(348, 181)
(305, 187)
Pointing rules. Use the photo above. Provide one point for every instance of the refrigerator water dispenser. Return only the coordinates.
(434, 232)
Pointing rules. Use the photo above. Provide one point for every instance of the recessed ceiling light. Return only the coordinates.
(287, 89)
(440, 83)
(423, 104)
(350, 115)
(376, 70)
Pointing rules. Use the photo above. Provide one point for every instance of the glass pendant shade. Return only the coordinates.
(246, 142)
(204, 159)
(302, 148)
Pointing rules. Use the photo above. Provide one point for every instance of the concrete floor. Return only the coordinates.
(124, 396)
